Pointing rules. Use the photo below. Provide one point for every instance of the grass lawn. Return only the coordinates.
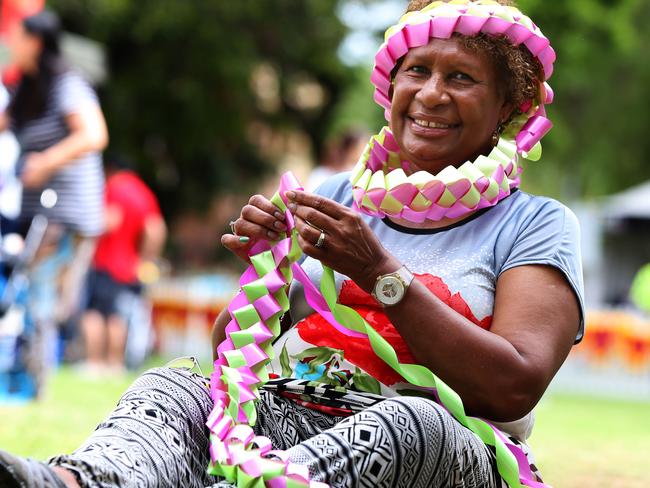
(582, 441)
(70, 410)
(578, 441)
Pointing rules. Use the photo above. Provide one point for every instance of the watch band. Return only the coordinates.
(406, 276)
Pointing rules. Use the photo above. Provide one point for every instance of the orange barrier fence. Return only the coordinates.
(184, 309)
(618, 337)
(613, 359)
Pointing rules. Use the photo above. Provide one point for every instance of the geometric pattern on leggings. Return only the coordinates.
(156, 437)
(287, 423)
(401, 442)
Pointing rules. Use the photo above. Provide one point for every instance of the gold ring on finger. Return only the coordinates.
(232, 227)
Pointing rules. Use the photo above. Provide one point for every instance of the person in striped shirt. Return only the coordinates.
(57, 120)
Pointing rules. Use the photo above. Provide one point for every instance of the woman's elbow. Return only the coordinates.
(515, 398)
(99, 140)
(92, 129)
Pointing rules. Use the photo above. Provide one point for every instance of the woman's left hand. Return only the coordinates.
(350, 246)
(37, 170)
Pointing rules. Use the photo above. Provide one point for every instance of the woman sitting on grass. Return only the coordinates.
(479, 282)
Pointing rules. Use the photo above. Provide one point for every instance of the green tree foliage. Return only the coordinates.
(602, 106)
(180, 100)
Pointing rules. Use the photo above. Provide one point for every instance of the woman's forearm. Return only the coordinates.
(69, 149)
(88, 133)
(4, 121)
(482, 367)
(502, 373)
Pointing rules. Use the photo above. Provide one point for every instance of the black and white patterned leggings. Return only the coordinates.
(156, 437)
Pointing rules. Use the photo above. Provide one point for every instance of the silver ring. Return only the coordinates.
(321, 240)
(232, 227)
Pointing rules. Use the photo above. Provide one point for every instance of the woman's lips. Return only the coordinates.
(429, 128)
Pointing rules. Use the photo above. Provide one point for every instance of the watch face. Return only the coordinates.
(389, 290)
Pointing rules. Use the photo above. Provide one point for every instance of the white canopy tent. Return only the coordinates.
(625, 240)
(633, 203)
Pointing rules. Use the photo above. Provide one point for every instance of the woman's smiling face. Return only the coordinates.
(446, 105)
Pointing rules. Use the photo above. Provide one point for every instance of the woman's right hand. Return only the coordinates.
(259, 220)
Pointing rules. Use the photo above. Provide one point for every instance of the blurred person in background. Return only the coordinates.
(339, 154)
(56, 118)
(133, 240)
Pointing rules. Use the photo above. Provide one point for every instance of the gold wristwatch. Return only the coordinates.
(390, 288)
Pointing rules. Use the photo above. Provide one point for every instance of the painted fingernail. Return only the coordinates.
(292, 207)
(279, 225)
(290, 195)
(272, 235)
(279, 215)
(244, 239)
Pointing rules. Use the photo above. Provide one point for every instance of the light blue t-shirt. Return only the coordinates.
(460, 264)
(469, 256)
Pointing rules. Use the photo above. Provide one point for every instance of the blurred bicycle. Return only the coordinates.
(27, 347)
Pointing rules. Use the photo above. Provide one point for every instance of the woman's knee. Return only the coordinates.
(179, 384)
(426, 412)
(154, 376)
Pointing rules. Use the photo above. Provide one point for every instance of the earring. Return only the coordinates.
(497, 134)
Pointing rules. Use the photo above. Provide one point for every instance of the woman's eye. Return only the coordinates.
(418, 69)
(460, 76)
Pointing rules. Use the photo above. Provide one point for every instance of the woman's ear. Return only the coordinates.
(506, 111)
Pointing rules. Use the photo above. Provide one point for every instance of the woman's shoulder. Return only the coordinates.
(541, 230)
(71, 81)
(529, 209)
(68, 75)
(71, 91)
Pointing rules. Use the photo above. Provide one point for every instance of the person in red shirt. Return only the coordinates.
(135, 234)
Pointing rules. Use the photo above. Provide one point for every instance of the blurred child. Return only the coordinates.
(135, 235)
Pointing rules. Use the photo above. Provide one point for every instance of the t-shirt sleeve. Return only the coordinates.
(73, 93)
(150, 203)
(137, 196)
(551, 236)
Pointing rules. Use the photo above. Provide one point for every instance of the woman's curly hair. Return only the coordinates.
(520, 72)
